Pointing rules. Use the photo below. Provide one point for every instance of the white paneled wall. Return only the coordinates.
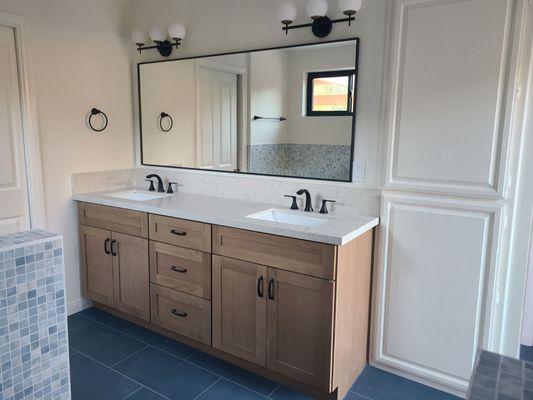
(440, 270)
(450, 68)
(436, 285)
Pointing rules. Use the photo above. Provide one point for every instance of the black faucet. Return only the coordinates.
(308, 205)
(160, 186)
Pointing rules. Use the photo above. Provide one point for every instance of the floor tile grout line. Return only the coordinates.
(132, 393)
(121, 374)
(206, 389)
(142, 341)
(359, 394)
(274, 391)
(177, 357)
(226, 378)
(129, 356)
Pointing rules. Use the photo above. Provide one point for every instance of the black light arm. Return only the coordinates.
(164, 48)
(321, 26)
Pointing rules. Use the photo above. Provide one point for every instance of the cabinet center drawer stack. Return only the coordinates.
(289, 309)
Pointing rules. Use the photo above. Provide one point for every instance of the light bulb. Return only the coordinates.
(287, 13)
(350, 7)
(157, 34)
(176, 31)
(138, 37)
(317, 8)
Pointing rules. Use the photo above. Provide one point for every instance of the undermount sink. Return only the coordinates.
(287, 217)
(138, 195)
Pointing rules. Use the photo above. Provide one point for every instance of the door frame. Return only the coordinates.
(243, 124)
(30, 132)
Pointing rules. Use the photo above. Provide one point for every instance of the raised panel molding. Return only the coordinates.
(444, 70)
(434, 287)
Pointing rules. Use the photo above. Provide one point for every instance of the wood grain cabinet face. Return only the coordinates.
(188, 271)
(309, 258)
(114, 219)
(239, 308)
(299, 327)
(96, 264)
(184, 314)
(180, 232)
(131, 275)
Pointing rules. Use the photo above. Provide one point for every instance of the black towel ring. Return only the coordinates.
(161, 118)
(94, 112)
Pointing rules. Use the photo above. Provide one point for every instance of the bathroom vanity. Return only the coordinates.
(287, 301)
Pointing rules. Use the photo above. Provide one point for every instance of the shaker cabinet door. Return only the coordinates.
(131, 275)
(239, 308)
(96, 264)
(299, 327)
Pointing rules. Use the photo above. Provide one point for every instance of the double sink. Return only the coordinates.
(270, 215)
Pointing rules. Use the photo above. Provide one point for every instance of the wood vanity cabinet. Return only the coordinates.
(114, 265)
(291, 310)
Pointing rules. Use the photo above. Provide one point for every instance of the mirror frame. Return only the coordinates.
(354, 117)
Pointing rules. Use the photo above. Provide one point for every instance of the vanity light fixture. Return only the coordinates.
(176, 32)
(317, 11)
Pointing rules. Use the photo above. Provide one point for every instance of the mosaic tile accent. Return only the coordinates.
(304, 160)
(34, 358)
(499, 377)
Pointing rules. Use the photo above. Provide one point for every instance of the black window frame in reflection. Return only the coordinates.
(312, 76)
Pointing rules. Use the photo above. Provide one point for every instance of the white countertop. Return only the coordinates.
(338, 230)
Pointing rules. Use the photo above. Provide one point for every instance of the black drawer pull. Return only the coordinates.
(106, 246)
(260, 286)
(177, 313)
(176, 269)
(178, 233)
(271, 289)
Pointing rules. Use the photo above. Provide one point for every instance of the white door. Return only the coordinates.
(14, 207)
(216, 129)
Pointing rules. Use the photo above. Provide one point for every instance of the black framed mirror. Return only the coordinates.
(286, 111)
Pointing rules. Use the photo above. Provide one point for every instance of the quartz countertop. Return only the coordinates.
(339, 228)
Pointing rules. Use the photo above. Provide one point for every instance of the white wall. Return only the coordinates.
(215, 26)
(80, 60)
(316, 130)
(268, 96)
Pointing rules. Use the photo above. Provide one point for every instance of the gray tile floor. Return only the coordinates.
(112, 359)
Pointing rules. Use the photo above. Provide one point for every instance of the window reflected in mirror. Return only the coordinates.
(286, 112)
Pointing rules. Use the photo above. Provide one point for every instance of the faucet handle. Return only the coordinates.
(169, 190)
(294, 205)
(324, 209)
(152, 188)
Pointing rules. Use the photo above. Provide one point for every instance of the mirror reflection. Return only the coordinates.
(287, 111)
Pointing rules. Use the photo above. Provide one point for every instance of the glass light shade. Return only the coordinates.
(176, 31)
(350, 7)
(287, 12)
(317, 8)
(138, 37)
(157, 34)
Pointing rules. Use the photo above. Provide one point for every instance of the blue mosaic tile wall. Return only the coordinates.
(34, 358)
(305, 160)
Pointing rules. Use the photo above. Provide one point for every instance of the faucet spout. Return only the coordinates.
(308, 205)
(160, 186)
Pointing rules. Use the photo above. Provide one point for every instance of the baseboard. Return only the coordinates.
(419, 379)
(78, 305)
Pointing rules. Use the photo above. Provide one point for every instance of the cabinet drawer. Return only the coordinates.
(193, 235)
(309, 258)
(182, 269)
(114, 219)
(184, 314)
